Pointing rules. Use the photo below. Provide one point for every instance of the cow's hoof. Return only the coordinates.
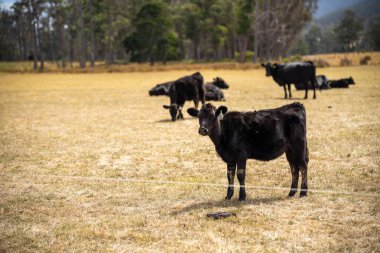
(228, 197)
(242, 197)
(291, 194)
(303, 194)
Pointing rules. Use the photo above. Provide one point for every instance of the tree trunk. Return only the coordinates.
(255, 33)
(34, 35)
(82, 36)
(92, 39)
(109, 52)
(267, 33)
(243, 39)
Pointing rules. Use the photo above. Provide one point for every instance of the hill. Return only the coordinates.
(365, 9)
(326, 7)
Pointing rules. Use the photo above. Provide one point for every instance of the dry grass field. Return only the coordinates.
(76, 148)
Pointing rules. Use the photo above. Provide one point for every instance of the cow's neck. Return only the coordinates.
(215, 133)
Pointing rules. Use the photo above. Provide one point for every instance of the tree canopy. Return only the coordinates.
(118, 31)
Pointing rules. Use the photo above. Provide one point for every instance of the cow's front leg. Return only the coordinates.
(290, 93)
(180, 115)
(196, 103)
(241, 177)
(231, 167)
(286, 94)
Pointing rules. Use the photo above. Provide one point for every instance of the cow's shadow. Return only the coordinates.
(170, 121)
(228, 203)
(290, 99)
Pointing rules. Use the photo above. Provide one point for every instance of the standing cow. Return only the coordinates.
(262, 135)
(186, 88)
(296, 72)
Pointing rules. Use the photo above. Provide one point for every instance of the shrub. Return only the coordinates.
(292, 58)
(248, 56)
(321, 63)
(345, 62)
(365, 60)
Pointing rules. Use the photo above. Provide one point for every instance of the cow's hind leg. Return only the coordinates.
(303, 169)
(306, 90)
(295, 173)
(231, 167)
(314, 83)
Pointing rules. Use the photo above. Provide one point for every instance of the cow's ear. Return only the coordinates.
(262, 64)
(193, 112)
(166, 106)
(221, 111)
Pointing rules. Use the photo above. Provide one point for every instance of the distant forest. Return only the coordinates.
(120, 31)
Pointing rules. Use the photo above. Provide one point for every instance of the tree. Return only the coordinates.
(244, 25)
(374, 34)
(152, 36)
(313, 39)
(348, 31)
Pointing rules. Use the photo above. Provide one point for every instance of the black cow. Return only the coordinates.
(341, 83)
(322, 83)
(219, 82)
(186, 88)
(262, 135)
(214, 93)
(296, 72)
(160, 89)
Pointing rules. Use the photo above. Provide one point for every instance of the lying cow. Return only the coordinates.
(214, 93)
(296, 72)
(262, 135)
(322, 83)
(341, 83)
(186, 88)
(219, 82)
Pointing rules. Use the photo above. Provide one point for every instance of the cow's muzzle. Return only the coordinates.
(203, 131)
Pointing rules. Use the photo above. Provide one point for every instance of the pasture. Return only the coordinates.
(89, 163)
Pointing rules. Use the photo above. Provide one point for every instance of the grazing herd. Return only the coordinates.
(261, 135)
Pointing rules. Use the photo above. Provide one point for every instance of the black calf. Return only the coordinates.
(262, 135)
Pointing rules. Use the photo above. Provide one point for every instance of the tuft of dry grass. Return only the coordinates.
(61, 134)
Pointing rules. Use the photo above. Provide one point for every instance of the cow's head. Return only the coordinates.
(268, 68)
(159, 90)
(208, 117)
(174, 110)
(219, 82)
(351, 80)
